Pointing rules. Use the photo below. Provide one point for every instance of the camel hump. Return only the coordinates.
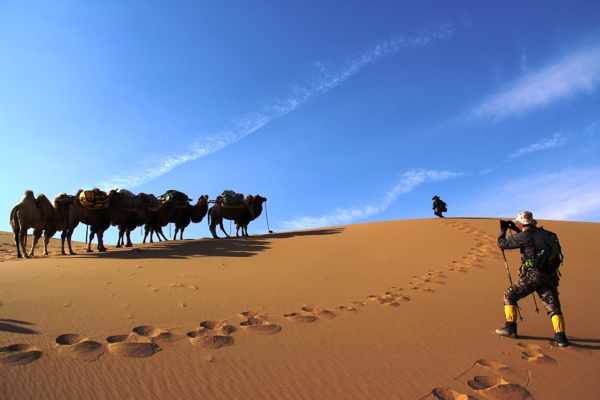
(28, 197)
(45, 205)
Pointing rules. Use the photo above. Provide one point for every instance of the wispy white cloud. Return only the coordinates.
(342, 216)
(326, 79)
(572, 194)
(557, 140)
(578, 72)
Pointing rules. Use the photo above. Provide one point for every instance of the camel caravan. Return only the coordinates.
(100, 210)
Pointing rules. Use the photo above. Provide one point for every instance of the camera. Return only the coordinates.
(505, 225)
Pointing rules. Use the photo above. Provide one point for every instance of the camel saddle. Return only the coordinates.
(231, 198)
(178, 198)
(130, 203)
(94, 199)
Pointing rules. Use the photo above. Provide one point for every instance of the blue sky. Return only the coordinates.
(339, 112)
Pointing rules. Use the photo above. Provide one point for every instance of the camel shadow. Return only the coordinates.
(13, 326)
(192, 248)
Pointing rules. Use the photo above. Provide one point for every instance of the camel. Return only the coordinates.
(138, 217)
(157, 219)
(39, 214)
(97, 219)
(244, 220)
(192, 213)
(242, 215)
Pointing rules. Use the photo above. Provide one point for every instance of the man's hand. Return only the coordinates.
(512, 226)
(503, 225)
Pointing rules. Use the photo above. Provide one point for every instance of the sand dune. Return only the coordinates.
(390, 310)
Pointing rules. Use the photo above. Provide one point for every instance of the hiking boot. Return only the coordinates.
(509, 330)
(561, 339)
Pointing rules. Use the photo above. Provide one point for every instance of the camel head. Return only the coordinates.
(260, 199)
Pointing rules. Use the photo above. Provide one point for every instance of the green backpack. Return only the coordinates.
(549, 255)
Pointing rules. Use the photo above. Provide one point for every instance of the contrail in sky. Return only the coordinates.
(557, 140)
(322, 82)
(343, 216)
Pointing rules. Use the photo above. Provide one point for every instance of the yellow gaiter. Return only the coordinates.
(558, 321)
(511, 313)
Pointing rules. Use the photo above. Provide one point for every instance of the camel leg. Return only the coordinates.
(91, 238)
(48, 233)
(223, 229)
(63, 236)
(120, 237)
(128, 234)
(37, 234)
(159, 233)
(17, 241)
(23, 241)
(67, 233)
(213, 230)
(101, 241)
(146, 232)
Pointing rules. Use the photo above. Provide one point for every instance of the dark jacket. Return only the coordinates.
(438, 204)
(522, 240)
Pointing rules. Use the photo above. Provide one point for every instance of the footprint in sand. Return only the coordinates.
(455, 268)
(212, 335)
(397, 296)
(384, 300)
(422, 289)
(132, 345)
(445, 393)
(255, 323)
(358, 303)
(301, 317)
(346, 309)
(319, 312)
(75, 346)
(496, 388)
(152, 332)
(533, 353)
(437, 274)
(19, 354)
(496, 367)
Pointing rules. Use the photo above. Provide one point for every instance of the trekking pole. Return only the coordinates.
(511, 282)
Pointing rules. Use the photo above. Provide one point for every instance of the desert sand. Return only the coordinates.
(388, 310)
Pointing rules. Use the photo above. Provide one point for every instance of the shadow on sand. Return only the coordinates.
(14, 326)
(188, 248)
